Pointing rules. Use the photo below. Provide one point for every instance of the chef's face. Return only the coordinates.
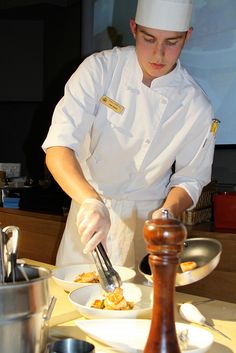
(157, 50)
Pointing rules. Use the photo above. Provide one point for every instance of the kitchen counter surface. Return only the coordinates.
(33, 213)
(62, 325)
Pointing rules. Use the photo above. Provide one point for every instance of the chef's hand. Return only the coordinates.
(93, 223)
(159, 213)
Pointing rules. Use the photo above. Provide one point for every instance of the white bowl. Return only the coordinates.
(140, 295)
(65, 276)
(131, 335)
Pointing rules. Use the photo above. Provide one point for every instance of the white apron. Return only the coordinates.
(125, 243)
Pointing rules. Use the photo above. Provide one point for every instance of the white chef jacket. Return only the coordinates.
(127, 155)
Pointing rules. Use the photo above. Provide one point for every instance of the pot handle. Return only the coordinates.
(47, 315)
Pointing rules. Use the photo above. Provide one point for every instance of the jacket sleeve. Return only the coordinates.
(193, 163)
(75, 112)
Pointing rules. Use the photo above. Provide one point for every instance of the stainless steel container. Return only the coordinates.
(71, 345)
(23, 313)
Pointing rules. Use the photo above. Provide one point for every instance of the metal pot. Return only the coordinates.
(205, 252)
(24, 309)
(71, 345)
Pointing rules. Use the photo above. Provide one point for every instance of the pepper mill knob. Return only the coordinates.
(165, 238)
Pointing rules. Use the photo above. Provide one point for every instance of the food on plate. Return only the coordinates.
(113, 301)
(188, 266)
(87, 277)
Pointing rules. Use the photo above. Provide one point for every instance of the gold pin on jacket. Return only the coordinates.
(214, 126)
(110, 103)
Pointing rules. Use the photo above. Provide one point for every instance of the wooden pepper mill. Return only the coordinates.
(165, 239)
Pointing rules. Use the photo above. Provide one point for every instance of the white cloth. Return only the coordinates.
(128, 156)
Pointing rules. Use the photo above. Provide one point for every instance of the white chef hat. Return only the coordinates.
(170, 15)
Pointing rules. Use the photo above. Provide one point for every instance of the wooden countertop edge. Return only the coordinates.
(35, 214)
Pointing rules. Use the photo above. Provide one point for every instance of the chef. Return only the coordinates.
(131, 136)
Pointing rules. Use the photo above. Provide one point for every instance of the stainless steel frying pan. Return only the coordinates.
(205, 252)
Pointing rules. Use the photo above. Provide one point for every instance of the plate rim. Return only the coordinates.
(144, 321)
(60, 268)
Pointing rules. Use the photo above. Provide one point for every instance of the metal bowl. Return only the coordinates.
(70, 345)
(205, 252)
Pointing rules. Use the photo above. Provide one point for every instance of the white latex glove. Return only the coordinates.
(159, 214)
(93, 222)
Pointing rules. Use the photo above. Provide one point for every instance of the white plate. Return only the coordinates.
(130, 335)
(65, 276)
(141, 295)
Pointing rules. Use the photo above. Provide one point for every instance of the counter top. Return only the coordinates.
(223, 315)
(34, 213)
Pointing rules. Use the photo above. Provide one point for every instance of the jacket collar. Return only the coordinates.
(133, 75)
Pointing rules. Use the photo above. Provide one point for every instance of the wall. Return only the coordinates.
(25, 120)
(210, 57)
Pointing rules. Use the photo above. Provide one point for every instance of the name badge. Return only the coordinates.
(110, 103)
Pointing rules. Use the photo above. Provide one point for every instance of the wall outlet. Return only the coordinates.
(12, 169)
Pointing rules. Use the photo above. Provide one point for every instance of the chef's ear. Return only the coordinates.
(189, 33)
(133, 27)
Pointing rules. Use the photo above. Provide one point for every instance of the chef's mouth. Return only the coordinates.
(157, 65)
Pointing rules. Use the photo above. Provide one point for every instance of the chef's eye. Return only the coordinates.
(172, 43)
(149, 39)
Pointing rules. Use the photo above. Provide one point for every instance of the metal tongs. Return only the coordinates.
(109, 278)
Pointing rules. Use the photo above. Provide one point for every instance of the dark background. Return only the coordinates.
(35, 85)
(41, 48)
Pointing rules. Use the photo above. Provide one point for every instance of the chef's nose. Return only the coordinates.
(158, 51)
